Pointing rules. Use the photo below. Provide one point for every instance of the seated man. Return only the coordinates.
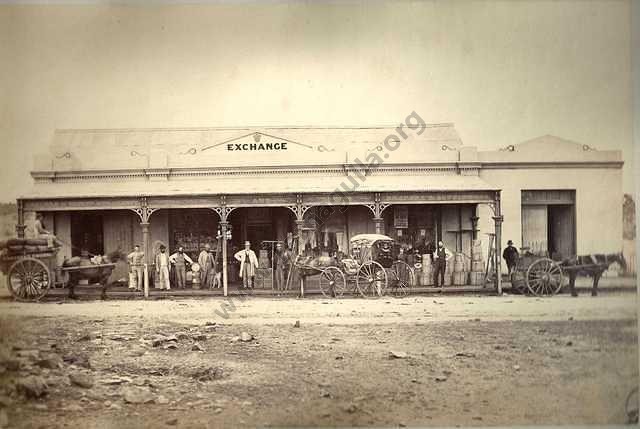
(41, 232)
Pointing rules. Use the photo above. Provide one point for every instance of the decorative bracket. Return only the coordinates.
(377, 207)
(144, 211)
(299, 209)
(492, 206)
(224, 210)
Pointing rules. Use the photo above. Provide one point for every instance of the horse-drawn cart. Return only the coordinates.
(372, 270)
(542, 276)
(537, 275)
(30, 266)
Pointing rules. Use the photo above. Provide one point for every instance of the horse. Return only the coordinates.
(591, 265)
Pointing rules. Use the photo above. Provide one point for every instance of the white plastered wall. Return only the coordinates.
(598, 204)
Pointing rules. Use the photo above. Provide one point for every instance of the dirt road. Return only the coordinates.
(416, 361)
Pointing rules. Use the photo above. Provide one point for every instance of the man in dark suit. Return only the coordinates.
(510, 255)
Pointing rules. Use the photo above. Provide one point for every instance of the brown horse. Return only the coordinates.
(590, 265)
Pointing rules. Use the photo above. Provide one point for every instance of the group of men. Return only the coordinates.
(249, 264)
(441, 255)
(210, 276)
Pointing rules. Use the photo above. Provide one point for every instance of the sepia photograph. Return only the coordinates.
(241, 214)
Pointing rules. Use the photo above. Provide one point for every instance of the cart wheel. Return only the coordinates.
(401, 279)
(28, 279)
(544, 277)
(333, 282)
(371, 279)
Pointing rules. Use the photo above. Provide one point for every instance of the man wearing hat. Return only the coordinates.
(206, 262)
(248, 264)
(510, 255)
(162, 268)
(179, 261)
(136, 268)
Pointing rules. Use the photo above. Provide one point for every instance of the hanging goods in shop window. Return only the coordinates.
(401, 217)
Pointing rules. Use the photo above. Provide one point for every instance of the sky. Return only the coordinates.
(502, 72)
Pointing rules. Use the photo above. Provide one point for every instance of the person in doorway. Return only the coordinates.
(281, 262)
(136, 268)
(441, 256)
(206, 262)
(162, 268)
(510, 255)
(248, 264)
(212, 272)
(179, 261)
(41, 232)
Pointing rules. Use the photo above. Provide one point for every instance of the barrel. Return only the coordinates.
(426, 262)
(459, 278)
(477, 266)
(459, 257)
(476, 278)
(426, 278)
(458, 267)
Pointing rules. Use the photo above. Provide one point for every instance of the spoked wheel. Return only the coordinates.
(333, 282)
(28, 279)
(544, 277)
(401, 278)
(371, 279)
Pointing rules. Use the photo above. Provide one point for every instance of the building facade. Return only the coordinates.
(106, 190)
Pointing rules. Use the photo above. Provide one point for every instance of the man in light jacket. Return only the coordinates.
(136, 269)
(248, 264)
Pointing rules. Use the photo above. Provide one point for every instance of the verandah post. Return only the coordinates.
(498, 218)
(20, 226)
(299, 226)
(147, 257)
(223, 230)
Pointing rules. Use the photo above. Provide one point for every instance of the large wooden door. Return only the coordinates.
(534, 228)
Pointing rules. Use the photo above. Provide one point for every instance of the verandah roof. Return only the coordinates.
(258, 185)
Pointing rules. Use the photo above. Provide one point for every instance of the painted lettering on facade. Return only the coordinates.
(256, 146)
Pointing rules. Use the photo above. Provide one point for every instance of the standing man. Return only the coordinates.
(205, 260)
(510, 255)
(136, 268)
(280, 265)
(248, 264)
(162, 268)
(441, 256)
(179, 261)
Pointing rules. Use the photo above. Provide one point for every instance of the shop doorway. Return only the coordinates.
(548, 223)
(87, 233)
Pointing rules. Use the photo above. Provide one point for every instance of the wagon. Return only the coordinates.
(537, 275)
(372, 270)
(29, 266)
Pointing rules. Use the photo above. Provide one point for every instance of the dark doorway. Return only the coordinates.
(257, 233)
(561, 231)
(86, 233)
